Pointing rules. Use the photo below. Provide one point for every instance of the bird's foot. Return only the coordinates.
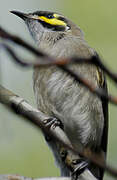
(52, 123)
(79, 167)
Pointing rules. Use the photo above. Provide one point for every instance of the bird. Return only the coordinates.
(84, 116)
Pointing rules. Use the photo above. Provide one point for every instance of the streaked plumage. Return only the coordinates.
(84, 115)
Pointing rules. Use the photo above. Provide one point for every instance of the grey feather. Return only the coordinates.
(58, 95)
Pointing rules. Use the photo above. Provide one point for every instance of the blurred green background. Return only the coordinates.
(22, 148)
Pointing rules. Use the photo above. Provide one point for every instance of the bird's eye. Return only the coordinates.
(50, 16)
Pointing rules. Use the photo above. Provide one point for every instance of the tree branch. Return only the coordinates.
(48, 60)
(78, 78)
(36, 117)
(93, 60)
(21, 107)
(17, 177)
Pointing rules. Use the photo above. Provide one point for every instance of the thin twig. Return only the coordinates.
(19, 41)
(87, 153)
(98, 91)
(26, 63)
(93, 60)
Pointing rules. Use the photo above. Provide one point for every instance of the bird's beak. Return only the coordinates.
(23, 16)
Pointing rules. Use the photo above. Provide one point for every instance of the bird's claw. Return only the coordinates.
(52, 123)
(79, 166)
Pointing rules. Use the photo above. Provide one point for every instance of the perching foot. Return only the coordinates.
(52, 123)
(80, 166)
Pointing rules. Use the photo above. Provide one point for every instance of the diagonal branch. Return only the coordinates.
(24, 109)
(36, 117)
(60, 63)
(100, 92)
(17, 177)
(19, 41)
(93, 60)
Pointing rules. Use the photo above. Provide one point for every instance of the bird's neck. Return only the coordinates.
(49, 40)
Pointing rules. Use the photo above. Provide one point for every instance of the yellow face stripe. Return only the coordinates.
(53, 21)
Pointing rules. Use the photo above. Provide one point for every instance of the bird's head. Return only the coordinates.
(49, 26)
